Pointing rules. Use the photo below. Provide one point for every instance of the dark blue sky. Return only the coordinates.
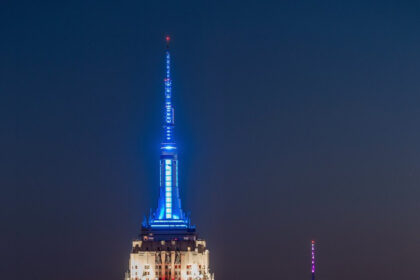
(296, 120)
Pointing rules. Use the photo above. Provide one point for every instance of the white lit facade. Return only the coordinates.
(175, 259)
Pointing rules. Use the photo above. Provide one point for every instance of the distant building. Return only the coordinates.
(168, 246)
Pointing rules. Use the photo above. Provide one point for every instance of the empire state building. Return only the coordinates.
(168, 247)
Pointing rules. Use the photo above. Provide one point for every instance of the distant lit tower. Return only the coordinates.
(168, 247)
(313, 259)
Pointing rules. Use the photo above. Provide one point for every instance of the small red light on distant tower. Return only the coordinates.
(168, 39)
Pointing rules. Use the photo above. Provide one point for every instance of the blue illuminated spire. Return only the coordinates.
(169, 121)
(169, 214)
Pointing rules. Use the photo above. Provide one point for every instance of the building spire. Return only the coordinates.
(169, 214)
(169, 121)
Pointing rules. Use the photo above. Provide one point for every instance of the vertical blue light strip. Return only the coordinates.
(168, 189)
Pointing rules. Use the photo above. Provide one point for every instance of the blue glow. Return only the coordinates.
(169, 147)
(169, 213)
(169, 225)
(167, 221)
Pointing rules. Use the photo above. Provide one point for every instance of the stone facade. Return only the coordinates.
(175, 260)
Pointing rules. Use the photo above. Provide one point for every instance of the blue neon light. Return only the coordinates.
(169, 213)
(169, 225)
(168, 189)
(168, 148)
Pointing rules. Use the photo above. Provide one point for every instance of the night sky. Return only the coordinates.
(296, 120)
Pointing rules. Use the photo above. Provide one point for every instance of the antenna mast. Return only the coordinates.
(313, 259)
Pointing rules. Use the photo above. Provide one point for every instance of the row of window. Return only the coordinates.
(168, 188)
(168, 266)
(177, 266)
(189, 272)
(199, 266)
(145, 267)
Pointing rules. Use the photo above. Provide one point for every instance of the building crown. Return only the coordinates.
(169, 214)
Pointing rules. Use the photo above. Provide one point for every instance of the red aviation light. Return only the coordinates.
(168, 39)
